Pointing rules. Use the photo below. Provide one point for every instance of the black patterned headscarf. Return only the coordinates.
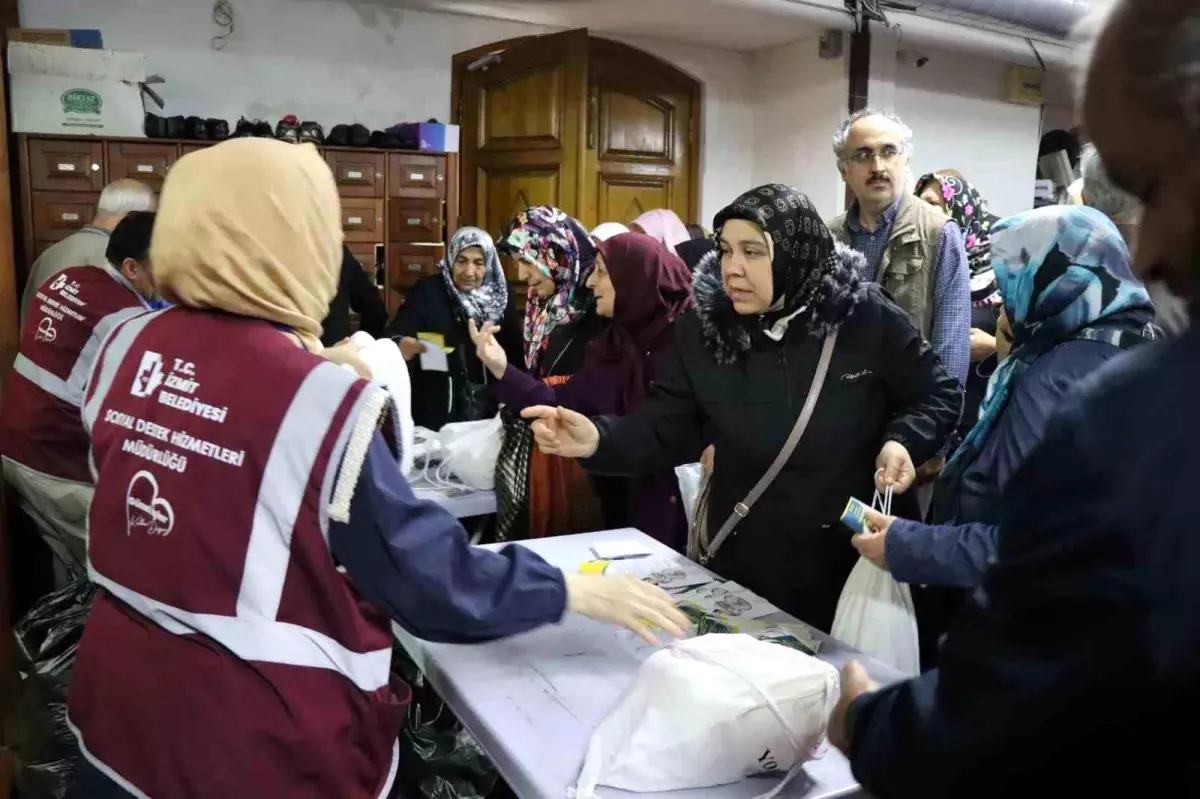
(816, 278)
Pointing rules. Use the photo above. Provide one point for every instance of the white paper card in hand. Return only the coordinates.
(434, 359)
(619, 550)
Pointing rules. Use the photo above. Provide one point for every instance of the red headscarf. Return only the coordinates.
(653, 287)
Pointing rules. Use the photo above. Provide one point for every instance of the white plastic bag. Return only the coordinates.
(710, 711)
(468, 452)
(875, 615)
(389, 370)
(691, 480)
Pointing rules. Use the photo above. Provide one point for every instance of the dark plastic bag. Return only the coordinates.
(439, 759)
(43, 748)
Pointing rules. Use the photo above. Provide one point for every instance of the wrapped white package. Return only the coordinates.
(389, 370)
(710, 711)
(468, 452)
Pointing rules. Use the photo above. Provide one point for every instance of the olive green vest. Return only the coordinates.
(909, 257)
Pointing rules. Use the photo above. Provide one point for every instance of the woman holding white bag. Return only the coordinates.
(782, 332)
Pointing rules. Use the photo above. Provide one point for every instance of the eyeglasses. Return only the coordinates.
(886, 155)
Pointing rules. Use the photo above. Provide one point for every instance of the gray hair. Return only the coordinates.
(1101, 193)
(843, 132)
(123, 196)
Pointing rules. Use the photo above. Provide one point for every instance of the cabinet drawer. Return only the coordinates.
(357, 174)
(416, 176)
(66, 165)
(415, 220)
(406, 265)
(57, 215)
(362, 219)
(148, 163)
(184, 149)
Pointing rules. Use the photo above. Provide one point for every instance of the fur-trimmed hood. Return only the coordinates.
(729, 335)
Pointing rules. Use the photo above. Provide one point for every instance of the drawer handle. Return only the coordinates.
(441, 178)
(66, 167)
(354, 220)
(69, 217)
(95, 167)
(416, 176)
(413, 267)
(413, 221)
(353, 174)
(146, 168)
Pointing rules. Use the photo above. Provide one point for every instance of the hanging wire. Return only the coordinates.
(222, 16)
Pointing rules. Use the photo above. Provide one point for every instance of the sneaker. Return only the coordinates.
(176, 128)
(311, 133)
(196, 128)
(244, 128)
(360, 136)
(339, 136)
(263, 129)
(218, 129)
(156, 126)
(288, 129)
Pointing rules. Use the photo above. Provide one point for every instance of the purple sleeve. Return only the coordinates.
(589, 391)
(412, 558)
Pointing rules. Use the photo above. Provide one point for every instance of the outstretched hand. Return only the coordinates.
(561, 432)
(626, 602)
(489, 351)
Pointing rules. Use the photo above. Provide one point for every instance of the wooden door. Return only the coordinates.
(643, 134)
(522, 107)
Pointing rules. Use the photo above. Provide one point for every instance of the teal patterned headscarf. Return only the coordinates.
(1064, 273)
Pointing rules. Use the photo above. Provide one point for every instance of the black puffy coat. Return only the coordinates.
(884, 383)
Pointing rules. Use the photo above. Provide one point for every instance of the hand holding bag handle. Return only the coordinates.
(705, 549)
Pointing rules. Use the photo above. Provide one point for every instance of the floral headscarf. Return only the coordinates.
(558, 246)
(1064, 273)
(488, 302)
(968, 208)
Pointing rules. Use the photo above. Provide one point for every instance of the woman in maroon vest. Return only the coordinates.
(251, 535)
(642, 287)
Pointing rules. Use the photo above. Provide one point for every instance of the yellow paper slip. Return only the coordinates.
(435, 338)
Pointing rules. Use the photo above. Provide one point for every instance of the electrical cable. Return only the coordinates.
(222, 17)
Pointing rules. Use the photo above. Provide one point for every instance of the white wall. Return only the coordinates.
(799, 101)
(960, 120)
(356, 62)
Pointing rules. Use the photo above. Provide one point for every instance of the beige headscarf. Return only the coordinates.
(251, 227)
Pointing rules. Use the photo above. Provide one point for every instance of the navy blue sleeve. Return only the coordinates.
(412, 558)
(1049, 646)
(939, 554)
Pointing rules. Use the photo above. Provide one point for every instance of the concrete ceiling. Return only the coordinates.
(739, 25)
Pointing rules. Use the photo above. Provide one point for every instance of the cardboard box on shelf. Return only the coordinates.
(63, 37)
(76, 91)
(430, 137)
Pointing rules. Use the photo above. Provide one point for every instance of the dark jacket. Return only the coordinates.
(957, 552)
(650, 504)
(357, 291)
(439, 398)
(1074, 670)
(885, 383)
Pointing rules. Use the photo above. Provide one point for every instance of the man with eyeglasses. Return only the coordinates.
(912, 250)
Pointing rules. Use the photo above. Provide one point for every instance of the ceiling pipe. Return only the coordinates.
(1001, 46)
(1053, 17)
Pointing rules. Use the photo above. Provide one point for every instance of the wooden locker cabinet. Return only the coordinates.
(403, 203)
(148, 162)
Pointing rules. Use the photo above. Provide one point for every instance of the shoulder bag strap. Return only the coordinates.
(742, 509)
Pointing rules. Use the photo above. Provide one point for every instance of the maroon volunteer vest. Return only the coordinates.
(226, 654)
(68, 319)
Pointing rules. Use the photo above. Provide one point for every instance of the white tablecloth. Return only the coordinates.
(533, 701)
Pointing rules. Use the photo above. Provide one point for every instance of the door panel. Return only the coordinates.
(644, 117)
(523, 126)
(56, 165)
(148, 163)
